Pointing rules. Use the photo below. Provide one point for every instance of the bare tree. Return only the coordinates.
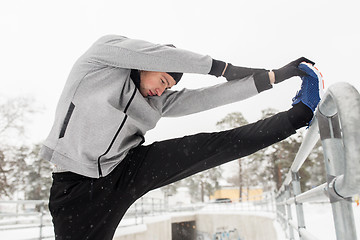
(233, 120)
(38, 177)
(268, 167)
(204, 183)
(5, 186)
(14, 114)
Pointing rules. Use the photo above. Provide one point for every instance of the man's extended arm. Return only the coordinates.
(247, 83)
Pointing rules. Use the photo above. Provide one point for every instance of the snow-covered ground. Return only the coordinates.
(318, 220)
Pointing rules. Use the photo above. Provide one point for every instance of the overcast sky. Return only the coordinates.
(41, 39)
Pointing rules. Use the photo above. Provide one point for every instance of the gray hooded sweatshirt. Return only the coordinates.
(101, 114)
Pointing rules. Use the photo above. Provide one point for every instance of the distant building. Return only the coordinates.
(248, 194)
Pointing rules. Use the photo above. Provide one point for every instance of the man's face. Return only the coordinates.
(155, 83)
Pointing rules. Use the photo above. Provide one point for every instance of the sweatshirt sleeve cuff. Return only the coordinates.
(217, 68)
(262, 81)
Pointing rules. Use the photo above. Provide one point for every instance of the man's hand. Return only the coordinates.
(291, 70)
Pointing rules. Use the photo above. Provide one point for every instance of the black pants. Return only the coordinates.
(87, 208)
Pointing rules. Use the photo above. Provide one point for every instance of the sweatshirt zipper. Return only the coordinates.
(117, 133)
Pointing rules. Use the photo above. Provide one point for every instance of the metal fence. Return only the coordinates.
(25, 214)
(34, 216)
(337, 124)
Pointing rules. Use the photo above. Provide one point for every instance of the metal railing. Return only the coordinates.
(25, 214)
(337, 124)
(34, 217)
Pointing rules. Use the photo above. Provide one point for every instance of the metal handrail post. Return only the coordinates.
(279, 210)
(277, 207)
(142, 210)
(299, 206)
(41, 220)
(266, 203)
(288, 210)
(334, 157)
(136, 214)
(283, 210)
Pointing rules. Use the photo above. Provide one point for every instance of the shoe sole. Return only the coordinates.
(319, 76)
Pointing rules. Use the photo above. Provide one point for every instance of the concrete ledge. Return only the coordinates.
(131, 230)
(157, 228)
(183, 217)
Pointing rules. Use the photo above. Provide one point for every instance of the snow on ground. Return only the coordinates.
(28, 233)
(318, 220)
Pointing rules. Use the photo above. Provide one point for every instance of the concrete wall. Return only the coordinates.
(160, 229)
(250, 227)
